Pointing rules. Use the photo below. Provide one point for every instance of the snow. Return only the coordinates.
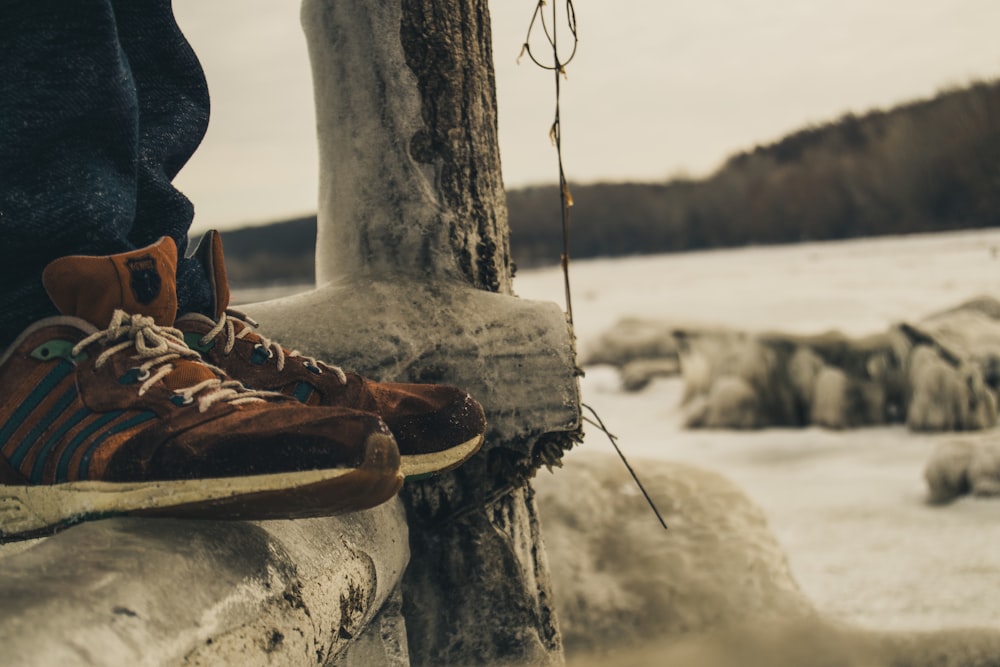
(856, 286)
(849, 507)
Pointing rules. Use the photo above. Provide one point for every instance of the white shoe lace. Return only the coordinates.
(156, 347)
(227, 323)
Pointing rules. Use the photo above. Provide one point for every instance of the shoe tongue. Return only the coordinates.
(140, 282)
(209, 255)
(188, 374)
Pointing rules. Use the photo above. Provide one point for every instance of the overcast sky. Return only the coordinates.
(658, 88)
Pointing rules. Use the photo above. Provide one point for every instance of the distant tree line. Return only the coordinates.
(925, 166)
(272, 254)
(931, 165)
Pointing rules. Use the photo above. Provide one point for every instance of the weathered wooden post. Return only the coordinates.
(414, 283)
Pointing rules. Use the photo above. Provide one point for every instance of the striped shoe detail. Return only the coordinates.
(75, 455)
(129, 421)
(38, 468)
(44, 422)
(31, 402)
(49, 437)
(69, 448)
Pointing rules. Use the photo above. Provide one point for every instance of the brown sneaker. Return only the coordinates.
(106, 411)
(437, 427)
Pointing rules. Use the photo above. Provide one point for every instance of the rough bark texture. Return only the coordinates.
(448, 46)
(490, 553)
(478, 590)
(413, 270)
(406, 115)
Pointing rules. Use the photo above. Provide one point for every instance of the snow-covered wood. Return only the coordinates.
(136, 592)
(414, 284)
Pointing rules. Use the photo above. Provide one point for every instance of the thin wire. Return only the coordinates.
(614, 443)
(558, 67)
(551, 36)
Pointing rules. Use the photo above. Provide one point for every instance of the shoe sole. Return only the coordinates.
(31, 511)
(419, 466)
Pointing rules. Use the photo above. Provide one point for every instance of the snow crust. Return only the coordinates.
(850, 508)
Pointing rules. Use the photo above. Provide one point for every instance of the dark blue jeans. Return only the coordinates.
(101, 104)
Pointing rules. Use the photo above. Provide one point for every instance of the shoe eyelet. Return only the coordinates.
(260, 355)
(314, 369)
(134, 375)
(182, 400)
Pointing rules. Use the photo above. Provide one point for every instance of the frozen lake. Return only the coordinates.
(847, 506)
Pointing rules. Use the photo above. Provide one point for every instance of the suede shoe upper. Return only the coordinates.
(424, 418)
(103, 394)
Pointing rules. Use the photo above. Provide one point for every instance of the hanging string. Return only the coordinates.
(614, 443)
(558, 67)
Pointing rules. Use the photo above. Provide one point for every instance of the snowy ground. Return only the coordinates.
(848, 506)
